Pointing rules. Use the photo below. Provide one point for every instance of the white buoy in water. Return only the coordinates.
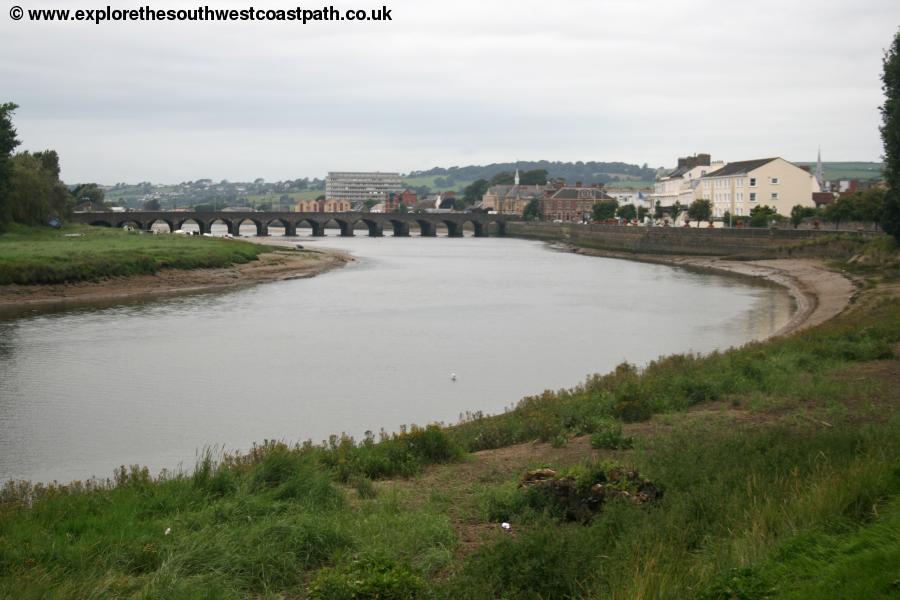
(452, 376)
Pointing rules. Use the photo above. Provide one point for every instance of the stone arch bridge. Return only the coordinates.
(347, 222)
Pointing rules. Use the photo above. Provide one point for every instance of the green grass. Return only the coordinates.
(798, 496)
(43, 255)
(849, 170)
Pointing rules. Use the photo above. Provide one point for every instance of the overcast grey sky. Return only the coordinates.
(447, 83)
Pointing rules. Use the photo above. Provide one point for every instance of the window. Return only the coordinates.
(773, 180)
(774, 195)
(740, 181)
(753, 182)
(752, 196)
(740, 196)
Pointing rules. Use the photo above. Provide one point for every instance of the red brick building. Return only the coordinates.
(393, 200)
(572, 203)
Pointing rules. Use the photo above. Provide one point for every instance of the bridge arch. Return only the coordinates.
(375, 226)
(155, 225)
(400, 227)
(179, 224)
(289, 230)
(345, 225)
(454, 227)
(120, 223)
(229, 226)
(317, 227)
(260, 227)
(427, 228)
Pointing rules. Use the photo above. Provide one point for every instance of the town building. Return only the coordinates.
(681, 185)
(393, 200)
(637, 198)
(572, 203)
(358, 187)
(328, 206)
(511, 199)
(739, 186)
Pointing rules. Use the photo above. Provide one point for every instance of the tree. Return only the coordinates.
(676, 210)
(532, 210)
(700, 210)
(726, 218)
(503, 178)
(534, 177)
(151, 204)
(605, 209)
(761, 215)
(475, 190)
(627, 212)
(890, 135)
(89, 192)
(35, 192)
(8, 143)
(657, 210)
(869, 205)
(642, 213)
(320, 197)
(839, 210)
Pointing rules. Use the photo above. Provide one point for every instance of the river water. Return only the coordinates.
(368, 346)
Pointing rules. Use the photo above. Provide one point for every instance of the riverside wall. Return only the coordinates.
(672, 240)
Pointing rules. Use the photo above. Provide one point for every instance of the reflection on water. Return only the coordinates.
(368, 346)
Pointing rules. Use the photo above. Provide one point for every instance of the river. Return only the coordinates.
(368, 346)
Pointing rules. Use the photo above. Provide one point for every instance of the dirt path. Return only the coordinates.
(273, 266)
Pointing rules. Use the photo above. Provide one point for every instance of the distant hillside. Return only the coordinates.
(848, 170)
(610, 173)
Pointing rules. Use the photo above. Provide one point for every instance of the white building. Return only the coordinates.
(682, 184)
(739, 186)
(357, 187)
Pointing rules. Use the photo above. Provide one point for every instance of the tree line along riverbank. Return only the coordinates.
(760, 472)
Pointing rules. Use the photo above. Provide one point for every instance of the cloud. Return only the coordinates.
(448, 83)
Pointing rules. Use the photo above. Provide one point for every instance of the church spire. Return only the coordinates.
(820, 172)
(517, 176)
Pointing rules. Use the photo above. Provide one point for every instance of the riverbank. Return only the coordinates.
(767, 471)
(270, 266)
(819, 291)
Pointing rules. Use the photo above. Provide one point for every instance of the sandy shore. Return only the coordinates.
(820, 292)
(273, 266)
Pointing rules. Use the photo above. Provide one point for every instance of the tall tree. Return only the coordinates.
(503, 178)
(8, 143)
(532, 210)
(534, 177)
(35, 191)
(474, 191)
(890, 135)
(627, 212)
(605, 209)
(89, 192)
(700, 210)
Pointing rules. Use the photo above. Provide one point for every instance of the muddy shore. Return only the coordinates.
(819, 292)
(279, 265)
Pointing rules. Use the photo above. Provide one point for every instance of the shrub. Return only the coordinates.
(369, 579)
(608, 435)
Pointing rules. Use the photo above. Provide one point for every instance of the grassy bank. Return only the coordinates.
(81, 253)
(778, 463)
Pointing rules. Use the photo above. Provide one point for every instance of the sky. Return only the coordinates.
(446, 83)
